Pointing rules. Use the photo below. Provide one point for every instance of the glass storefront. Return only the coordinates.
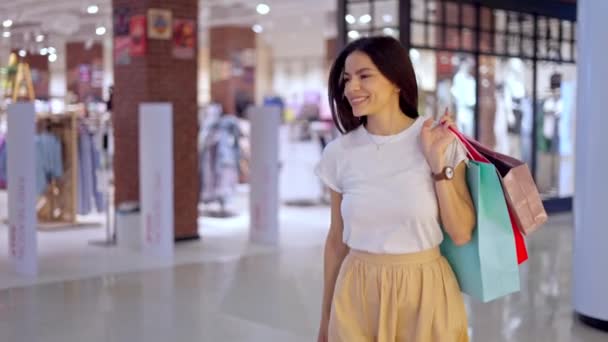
(509, 77)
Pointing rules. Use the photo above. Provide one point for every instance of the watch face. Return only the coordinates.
(449, 172)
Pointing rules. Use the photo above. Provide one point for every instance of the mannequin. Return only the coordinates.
(512, 115)
(463, 90)
(501, 126)
(552, 110)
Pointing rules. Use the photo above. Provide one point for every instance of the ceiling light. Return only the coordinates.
(387, 18)
(39, 38)
(7, 23)
(388, 31)
(92, 9)
(6, 34)
(22, 53)
(52, 50)
(257, 28)
(263, 9)
(52, 58)
(44, 51)
(100, 31)
(353, 34)
(364, 19)
(350, 19)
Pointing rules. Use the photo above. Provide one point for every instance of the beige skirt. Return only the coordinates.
(405, 297)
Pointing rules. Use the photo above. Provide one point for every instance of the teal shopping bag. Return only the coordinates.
(486, 267)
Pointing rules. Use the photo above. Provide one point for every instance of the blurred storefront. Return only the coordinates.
(506, 69)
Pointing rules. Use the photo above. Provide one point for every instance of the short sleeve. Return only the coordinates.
(328, 167)
(455, 154)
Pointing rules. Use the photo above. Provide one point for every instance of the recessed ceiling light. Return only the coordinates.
(353, 34)
(7, 23)
(22, 53)
(92, 9)
(39, 38)
(350, 19)
(44, 51)
(364, 19)
(52, 58)
(388, 31)
(6, 34)
(263, 9)
(100, 31)
(257, 28)
(52, 50)
(387, 18)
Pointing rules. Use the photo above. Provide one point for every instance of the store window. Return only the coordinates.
(507, 76)
(372, 18)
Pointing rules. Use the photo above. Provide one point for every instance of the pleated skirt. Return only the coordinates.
(397, 298)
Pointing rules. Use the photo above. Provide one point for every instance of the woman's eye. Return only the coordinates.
(365, 76)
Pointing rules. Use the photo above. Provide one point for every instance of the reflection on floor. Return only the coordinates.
(223, 288)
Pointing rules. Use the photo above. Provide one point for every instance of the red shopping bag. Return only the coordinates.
(520, 243)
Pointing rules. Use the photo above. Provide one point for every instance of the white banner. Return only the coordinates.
(156, 178)
(264, 174)
(21, 168)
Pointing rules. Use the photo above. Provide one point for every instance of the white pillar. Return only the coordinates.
(21, 178)
(264, 175)
(590, 267)
(156, 178)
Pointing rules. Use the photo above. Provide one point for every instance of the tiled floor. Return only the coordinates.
(224, 288)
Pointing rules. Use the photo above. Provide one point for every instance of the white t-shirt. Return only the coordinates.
(389, 205)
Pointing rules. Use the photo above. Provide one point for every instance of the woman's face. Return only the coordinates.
(366, 89)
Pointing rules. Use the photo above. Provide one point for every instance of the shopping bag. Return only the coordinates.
(486, 267)
(519, 187)
(520, 243)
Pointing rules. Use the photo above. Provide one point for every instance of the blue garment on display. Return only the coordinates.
(88, 164)
(220, 160)
(49, 162)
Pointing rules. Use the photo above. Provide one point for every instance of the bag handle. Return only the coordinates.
(471, 150)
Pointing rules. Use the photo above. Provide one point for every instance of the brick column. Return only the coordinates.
(83, 65)
(158, 76)
(232, 68)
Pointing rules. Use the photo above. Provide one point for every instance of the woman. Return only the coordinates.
(397, 182)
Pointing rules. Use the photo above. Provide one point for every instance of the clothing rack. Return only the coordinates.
(59, 203)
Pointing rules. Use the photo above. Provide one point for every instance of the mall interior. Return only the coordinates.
(162, 156)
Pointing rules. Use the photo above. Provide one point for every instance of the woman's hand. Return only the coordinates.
(435, 140)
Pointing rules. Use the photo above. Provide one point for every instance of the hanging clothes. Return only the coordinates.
(89, 196)
(220, 157)
(49, 161)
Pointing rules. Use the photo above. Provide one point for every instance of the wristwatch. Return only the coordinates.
(446, 174)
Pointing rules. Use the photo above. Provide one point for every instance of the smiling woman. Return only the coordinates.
(384, 66)
(397, 184)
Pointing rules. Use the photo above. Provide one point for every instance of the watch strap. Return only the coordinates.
(441, 175)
